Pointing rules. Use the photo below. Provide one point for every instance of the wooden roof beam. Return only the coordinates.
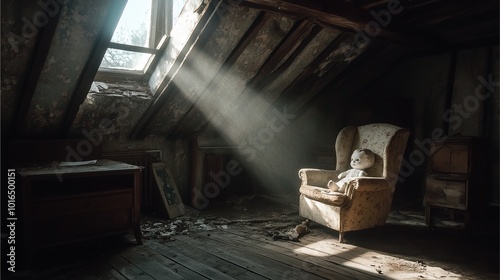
(19, 125)
(247, 38)
(92, 65)
(339, 14)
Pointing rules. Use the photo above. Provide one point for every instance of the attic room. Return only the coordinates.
(204, 139)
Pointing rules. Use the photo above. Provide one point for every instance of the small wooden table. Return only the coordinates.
(67, 204)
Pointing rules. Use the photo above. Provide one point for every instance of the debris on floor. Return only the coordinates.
(281, 225)
(154, 228)
(293, 234)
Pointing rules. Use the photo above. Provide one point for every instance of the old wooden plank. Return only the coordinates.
(103, 270)
(295, 34)
(167, 69)
(269, 84)
(340, 14)
(265, 266)
(284, 256)
(334, 75)
(92, 65)
(19, 125)
(172, 265)
(127, 269)
(391, 266)
(194, 114)
(328, 253)
(312, 264)
(144, 260)
(303, 81)
(215, 262)
(195, 265)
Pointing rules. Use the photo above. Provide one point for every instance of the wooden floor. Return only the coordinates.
(241, 249)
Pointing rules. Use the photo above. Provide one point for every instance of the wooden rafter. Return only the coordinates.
(92, 65)
(167, 89)
(19, 127)
(295, 35)
(251, 33)
(304, 80)
(304, 32)
(440, 13)
(328, 84)
(339, 14)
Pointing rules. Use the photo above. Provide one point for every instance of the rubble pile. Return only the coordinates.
(166, 229)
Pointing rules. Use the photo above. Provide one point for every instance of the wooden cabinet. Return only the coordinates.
(67, 204)
(453, 181)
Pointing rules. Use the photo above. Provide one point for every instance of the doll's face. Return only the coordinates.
(362, 159)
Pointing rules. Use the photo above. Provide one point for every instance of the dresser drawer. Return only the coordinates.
(76, 205)
(450, 158)
(53, 230)
(446, 193)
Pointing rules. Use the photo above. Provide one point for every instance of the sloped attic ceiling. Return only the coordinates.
(51, 51)
(243, 60)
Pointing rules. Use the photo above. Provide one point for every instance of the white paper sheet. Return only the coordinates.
(77, 163)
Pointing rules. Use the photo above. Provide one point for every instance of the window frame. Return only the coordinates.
(160, 26)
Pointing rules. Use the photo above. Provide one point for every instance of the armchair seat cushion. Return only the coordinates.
(324, 195)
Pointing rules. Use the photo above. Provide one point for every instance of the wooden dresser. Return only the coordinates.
(454, 180)
(67, 204)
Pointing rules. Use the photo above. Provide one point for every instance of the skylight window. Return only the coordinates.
(134, 27)
(139, 34)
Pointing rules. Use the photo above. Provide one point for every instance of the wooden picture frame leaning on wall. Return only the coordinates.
(168, 190)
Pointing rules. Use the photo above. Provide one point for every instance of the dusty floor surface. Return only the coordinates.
(468, 254)
(402, 249)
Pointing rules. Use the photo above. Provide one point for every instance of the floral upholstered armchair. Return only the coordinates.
(366, 201)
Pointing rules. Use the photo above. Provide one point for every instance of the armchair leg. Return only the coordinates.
(341, 236)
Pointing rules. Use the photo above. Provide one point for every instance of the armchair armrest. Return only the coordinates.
(367, 184)
(317, 177)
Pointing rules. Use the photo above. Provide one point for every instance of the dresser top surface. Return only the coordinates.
(100, 166)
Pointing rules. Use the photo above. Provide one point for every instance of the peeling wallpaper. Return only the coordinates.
(18, 47)
(74, 39)
(112, 112)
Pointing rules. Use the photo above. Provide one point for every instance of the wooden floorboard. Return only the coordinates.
(125, 268)
(265, 266)
(239, 247)
(338, 257)
(310, 264)
(215, 262)
(144, 260)
(103, 270)
(181, 270)
(323, 243)
(298, 265)
(195, 265)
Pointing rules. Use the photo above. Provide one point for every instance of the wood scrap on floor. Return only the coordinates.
(293, 234)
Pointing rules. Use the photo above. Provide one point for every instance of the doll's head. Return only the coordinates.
(362, 159)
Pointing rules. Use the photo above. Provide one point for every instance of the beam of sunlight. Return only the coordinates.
(371, 261)
(311, 250)
(258, 133)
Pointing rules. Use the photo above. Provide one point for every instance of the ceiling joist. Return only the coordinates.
(193, 112)
(92, 65)
(339, 14)
(19, 127)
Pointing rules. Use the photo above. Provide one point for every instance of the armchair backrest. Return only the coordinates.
(387, 141)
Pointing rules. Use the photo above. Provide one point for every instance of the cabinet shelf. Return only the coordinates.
(452, 180)
(86, 202)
